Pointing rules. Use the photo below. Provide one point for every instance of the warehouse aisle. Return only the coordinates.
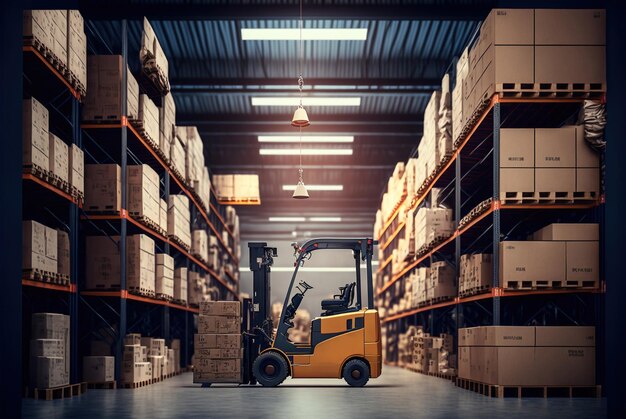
(397, 394)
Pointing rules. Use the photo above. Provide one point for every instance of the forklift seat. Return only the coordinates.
(341, 304)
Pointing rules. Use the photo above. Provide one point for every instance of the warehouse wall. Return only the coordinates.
(325, 284)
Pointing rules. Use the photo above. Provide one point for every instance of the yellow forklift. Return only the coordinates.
(344, 340)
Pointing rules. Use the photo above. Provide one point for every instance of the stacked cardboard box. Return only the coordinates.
(167, 124)
(203, 188)
(200, 244)
(177, 152)
(153, 59)
(143, 193)
(214, 253)
(164, 285)
(419, 278)
(432, 224)
(140, 264)
(50, 350)
(475, 273)
(543, 162)
(163, 214)
(39, 248)
(218, 344)
(105, 85)
(103, 187)
(63, 253)
(37, 26)
(194, 157)
(441, 282)
(178, 218)
(58, 155)
(427, 150)
(535, 50)
(560, 255)
(77, 170)
(180, 285)
(459, 114)
(237, 187)
(98, 369)
(197, 289)
(149, 117)
(36, 151)
(77, 48)
(135, 365)
(528, 355)
(174, 345)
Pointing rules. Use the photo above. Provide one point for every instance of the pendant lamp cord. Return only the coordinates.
(300, 170)
(301, 79)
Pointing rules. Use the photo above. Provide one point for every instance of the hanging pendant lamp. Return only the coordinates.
(300, 119)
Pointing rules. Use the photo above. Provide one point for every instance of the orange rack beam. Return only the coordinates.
(33, 50)
(128, 296)
(71, 288)
(44, 184)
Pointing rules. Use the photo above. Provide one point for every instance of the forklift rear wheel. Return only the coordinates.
(356, 372)
(270, 369)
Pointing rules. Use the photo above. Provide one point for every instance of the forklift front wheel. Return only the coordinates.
(270, 369)
(356, 372)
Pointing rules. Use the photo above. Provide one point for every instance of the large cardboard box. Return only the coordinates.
(103, 187)
(517, 147)
(570, 64)
(221, 308)
(180, 284)
(48, 372)
(58, 18)
(47, 347)
(77, 46)
(140, 260)
(63, 253)
(36, 24)
(77, 168)
(588, 180)
(517, 180)
(570, 27)
(522, 262)
(568, 231)
(582, 263)
(157, 365)
(217, 365)
(508, 27)
(37, 254)
(53, 326)
(219, 324)
(135, 372)
(36, 141)
(132, 339)
(104, 84)
(98, 369)
(215, 353)
(200, 244)
(143, 192)
(218, 341)
(178, 223)
(555, 147)
(157, 347)
(149, 117)
(59, 157)
(167, 124)
(565, 336)
(164, 275)
(103, 263)
(504, 336)
(134, 353)
(555, 179)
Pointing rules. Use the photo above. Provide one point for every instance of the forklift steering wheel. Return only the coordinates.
(307, 286)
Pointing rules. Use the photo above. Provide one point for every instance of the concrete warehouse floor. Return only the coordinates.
(396, 394)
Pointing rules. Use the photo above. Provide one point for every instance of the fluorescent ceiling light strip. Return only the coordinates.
(308, 34)
(287, 219)
(306, 138)
(306, 101)
(316, 269)
(305, 152)
(325, 219)
(315, 187)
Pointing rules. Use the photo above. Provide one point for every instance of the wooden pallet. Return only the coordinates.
(62, 392)
(105, 287)
(105, 385)
(200, 258)
(437, 300)
(548, 284)
(151, 224)
(138, 384)
(474, 291)
(45, 276)
(143, 292)
(102, 210)
(156, 74)
(476, 212)
(38, 171)
(179, 302)
(550, 90)
(500, 391)
(179, 242)
(163, 297)
(431, 245)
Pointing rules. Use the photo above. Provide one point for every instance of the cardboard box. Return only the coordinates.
(48, 372)
(565, 336)
(63, 253)
(143, 192)
(58, 157)
(180, 284)
(163, 214)
(585, 155)
(570, 27)
(505, 336)
(37, 25)
(140, 269)
(53, 326)
(218, 324)
(178, 218)
(157, 365)
(215, 353)
(508, 27)
(98, 369)
(517, 147)
(555, 179)
(149, 116)
(36, 247)
(132, 339)
(167, 123)
(104, 84)
(134, 353)
(36, 141)
(517, 180)
(217, 365)
(555, 147)
(77, 46)
(177, 155)
(588, 180)
(77, 168)
(221, 308)
(526, 261)
(201, 377)
(570, 64)
(568, 231)
(200, 244)
(582, 262)
(103, 187)
(157, 347)
(103, 263)
(58, 39)
(135, 372)
(218, 341)
(47, 347)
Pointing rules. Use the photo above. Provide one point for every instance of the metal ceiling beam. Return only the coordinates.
(118, 9)
(256, 167)
(208, 82)
(361, 91)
